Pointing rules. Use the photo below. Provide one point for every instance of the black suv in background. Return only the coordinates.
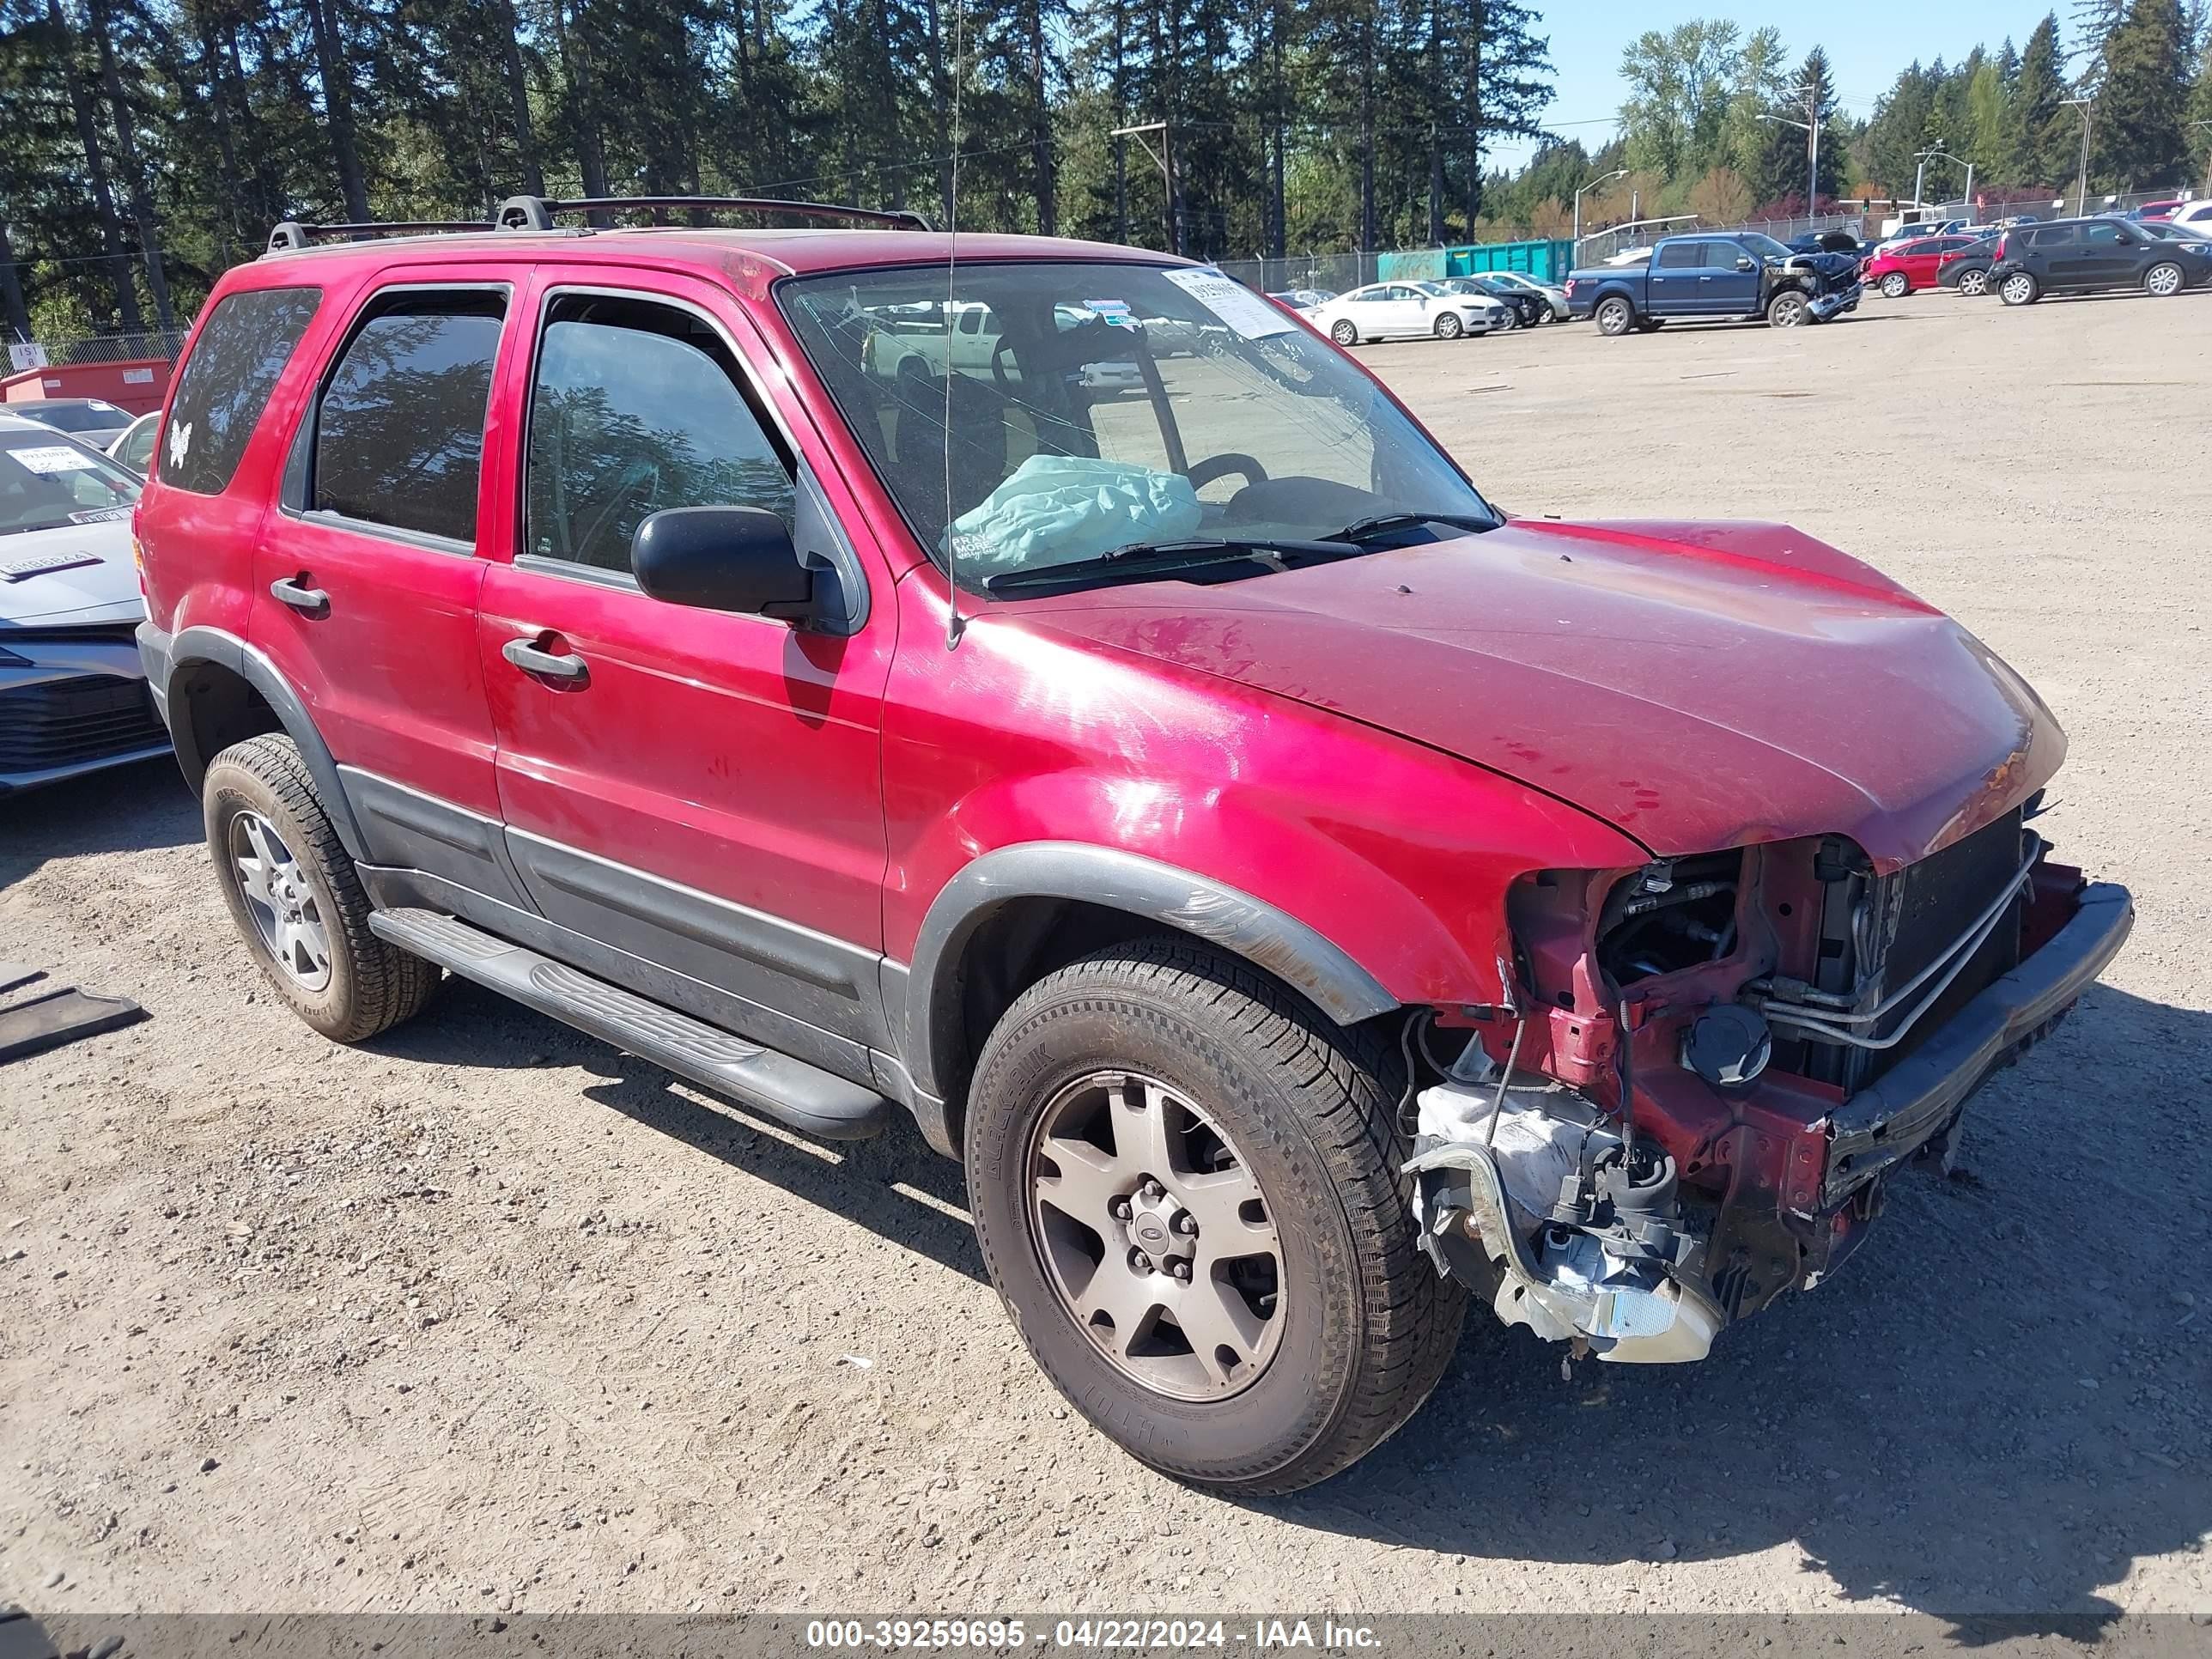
(2073, 256)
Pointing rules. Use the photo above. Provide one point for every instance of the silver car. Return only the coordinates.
(92, 421)
(73, 697)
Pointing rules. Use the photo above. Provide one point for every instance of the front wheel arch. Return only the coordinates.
(1019, 912)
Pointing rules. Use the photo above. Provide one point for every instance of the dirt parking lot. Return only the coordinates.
(484, 1314)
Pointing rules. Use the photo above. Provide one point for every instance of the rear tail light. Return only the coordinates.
(1999, 251)
(1570, 287)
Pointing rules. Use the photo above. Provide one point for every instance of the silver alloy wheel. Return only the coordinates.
(2017, 289)
(1615, 317)
(1973, 281)
(1788, 311)
(1345, 333)
(1155, 1235)
(1896, 285)
(279, 896)
(2163, 280)
(1449, 326)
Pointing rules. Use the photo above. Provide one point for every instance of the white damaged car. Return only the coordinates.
(73, 697)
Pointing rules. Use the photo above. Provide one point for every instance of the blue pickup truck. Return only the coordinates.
(1732, 275)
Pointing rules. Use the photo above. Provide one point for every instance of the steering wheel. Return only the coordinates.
(1220, 466)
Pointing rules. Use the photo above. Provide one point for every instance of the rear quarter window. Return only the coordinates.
(242, 349)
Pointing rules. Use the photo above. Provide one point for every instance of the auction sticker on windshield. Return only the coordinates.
(1234, 303)
(55, 457)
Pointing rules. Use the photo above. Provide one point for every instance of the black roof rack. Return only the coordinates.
(535, 212)
(292, 235)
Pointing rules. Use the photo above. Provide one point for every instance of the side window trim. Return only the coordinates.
(817, 528)
(299, 482)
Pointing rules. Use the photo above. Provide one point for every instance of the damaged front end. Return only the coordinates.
(1712, 1065)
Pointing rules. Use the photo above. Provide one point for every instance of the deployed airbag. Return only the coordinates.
(1055, 509)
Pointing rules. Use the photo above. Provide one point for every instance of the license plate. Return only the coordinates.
(21, 570)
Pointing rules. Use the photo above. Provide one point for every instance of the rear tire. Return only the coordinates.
(1615, 317)
(2020, 288)
(297, 899)
(1345, 332)
(1973, 283)
(1896, 285)
(2164, 280)
(1198, 1060)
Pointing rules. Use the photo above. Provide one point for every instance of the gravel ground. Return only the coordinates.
(485, 1315)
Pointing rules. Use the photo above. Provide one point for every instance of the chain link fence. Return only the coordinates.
(161, 342)
(1335, 273)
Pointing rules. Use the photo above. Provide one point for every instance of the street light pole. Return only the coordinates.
(2081, 191)
(1618, 173)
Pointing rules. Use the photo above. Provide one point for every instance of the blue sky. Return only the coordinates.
(1867, 41)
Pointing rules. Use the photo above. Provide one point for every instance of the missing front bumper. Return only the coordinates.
(1917, 1099)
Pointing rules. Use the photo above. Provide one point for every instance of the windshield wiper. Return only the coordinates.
(1361, 529)
(1143, 561)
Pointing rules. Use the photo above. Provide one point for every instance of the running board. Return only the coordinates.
(790, 1090)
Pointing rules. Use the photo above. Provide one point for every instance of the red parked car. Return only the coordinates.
(1307, 899)
(1897, 272)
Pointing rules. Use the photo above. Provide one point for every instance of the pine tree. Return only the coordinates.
(2046, 127)
(2138, 132)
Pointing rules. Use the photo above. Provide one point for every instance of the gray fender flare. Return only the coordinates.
(213, 645)
(1240, 924)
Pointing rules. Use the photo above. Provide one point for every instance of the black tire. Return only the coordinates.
(1615, 316)
(1649, 325)
(2020, 287)
(371, 985)
(1973, 283)
(1344, 331)
(2165, 279)
(1449, 326)
(1788, 309)
(1308, 1111)
(1895, 285)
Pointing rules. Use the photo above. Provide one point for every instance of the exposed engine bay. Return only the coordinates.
(1711, 1065)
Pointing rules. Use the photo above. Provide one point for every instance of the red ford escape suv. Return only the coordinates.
(1303, 898)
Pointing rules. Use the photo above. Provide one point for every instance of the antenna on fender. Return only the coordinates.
(954, 624)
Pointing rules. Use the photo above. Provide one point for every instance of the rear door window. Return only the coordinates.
(242, 349)
(1676, 255)
(399, 429)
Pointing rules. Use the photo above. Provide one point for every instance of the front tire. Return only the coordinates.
(1615, 317)
(297, 899)
(1344, 331)
(2020, 288)
(2164, 280)
(1896, 285)
(1185, 1185)
(1788, 309)
(1449, 326)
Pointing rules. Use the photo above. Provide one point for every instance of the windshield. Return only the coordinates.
(47, 482)
(1765, 246)
(1101, 408)
(93, 416)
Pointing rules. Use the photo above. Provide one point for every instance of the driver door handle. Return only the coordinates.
(564, 666)
(313, 601)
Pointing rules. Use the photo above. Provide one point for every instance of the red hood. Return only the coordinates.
(1697, 685)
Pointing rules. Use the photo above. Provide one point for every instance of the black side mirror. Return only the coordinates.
(722, 558)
